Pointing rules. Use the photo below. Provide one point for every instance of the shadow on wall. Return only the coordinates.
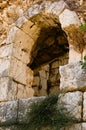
(49, 52)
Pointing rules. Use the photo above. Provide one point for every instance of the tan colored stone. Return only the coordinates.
(20, 39)
(42, 92)
(20, 91)
(74, 127)
(17, 71)
(55, 64)
(84, 52)
(29, 92)
(31, 29)
(36, 81)
(43, 82)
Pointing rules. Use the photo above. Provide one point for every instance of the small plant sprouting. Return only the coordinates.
(83, 27)
(83, 63)
(47, 114)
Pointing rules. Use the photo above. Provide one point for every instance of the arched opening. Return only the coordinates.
(48, 53)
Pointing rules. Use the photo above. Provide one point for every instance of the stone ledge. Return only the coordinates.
(15, 112)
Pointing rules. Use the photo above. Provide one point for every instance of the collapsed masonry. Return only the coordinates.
(45, 37)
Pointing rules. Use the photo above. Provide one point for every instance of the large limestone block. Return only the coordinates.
(8, 112)
(74, 56)
(68, 17)
(84, 106)
(73, 77)
(20, 72)
(24, 108)
(8, 89)
(16, 69)
(55, 7)
(72, 102)
(4, 66)
(6, 50)
(84, 126)
(33, 30)
(22, 44)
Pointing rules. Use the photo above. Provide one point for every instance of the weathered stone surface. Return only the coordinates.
(84, 106)
(74, 127)
(33, 30)
(8, 112)
(56, 7)
(74, 56)
(8, 89)
(70, 17)
(4, 66)
(84, 126)
(22, 44)
(20, 72)
(6, 50)
(24, 108)
(72, 102)
(72, 77)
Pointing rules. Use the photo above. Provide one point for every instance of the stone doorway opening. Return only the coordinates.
(48, 53)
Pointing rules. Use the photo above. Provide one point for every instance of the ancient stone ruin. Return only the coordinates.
(41, 45)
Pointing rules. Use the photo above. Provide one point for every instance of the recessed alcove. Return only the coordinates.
(49, 51)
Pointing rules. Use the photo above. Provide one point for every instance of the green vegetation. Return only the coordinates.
(83, 27)
(47, 114)
(83, 63)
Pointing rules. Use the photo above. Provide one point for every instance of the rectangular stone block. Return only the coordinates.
(73, 77)
(8, 112)
(72, 103)
(21, 45)
(24, 108)
(33, 30)
(8, 89)
(84, 126)
(17, 70)
(4, 66)
(84, 106)
(24, 91)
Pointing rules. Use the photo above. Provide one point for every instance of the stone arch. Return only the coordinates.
(20, 41)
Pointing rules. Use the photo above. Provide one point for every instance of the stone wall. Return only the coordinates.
(47, 79)
(17, 39)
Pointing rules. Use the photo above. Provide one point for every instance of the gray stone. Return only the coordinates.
(72, 102)
(8, 112)
(24, 108)
(84, 106)
(72, 77)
